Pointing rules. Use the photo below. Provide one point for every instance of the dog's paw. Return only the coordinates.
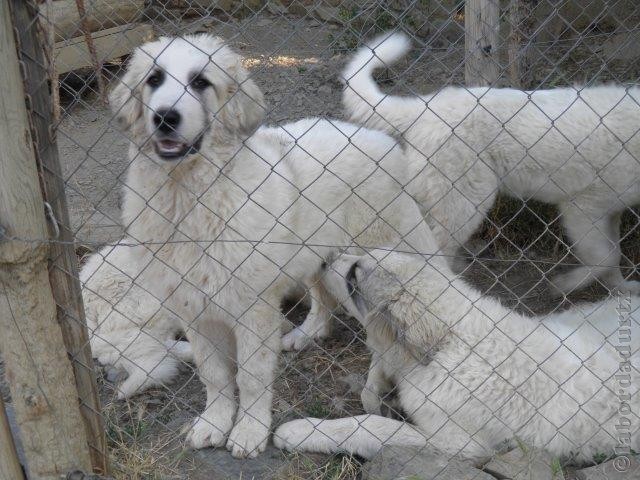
(571, 281)
(299, 338)
(296, 435)
(248, 438)
(371, 401)
(208, 432)
(136, 382)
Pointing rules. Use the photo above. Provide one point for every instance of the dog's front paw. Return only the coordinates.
(371, 401)
(208, 431)
(296, 435)
(299, 337)
(248, 438)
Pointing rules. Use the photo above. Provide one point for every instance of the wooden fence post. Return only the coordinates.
(482, 38)
(37, 368)
(10, 468)
(520, 51)
(63, 265)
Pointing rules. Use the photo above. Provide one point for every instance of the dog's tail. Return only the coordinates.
(363, 100)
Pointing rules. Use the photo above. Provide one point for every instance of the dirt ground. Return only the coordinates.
(297, 62)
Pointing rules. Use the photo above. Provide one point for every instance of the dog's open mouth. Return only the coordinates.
(167, 148)
(170, 149)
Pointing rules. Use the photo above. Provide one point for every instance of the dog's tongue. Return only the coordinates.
(170, 145)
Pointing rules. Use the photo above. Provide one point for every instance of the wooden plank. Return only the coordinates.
(110, 44)
(10, 468)
(37, 368)
(63, 267)
(482, 24)
(101, 14)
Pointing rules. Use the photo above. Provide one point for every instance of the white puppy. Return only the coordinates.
(578, 148)
(232, 217)
(472, 374)
(129, 326)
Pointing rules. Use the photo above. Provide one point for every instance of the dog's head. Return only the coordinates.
(394, 293)
(177, 92)
(358, 283)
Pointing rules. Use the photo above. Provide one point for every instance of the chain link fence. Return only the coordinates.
(453, 275)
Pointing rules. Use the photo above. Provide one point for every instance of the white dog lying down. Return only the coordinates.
(232, 218)
(578, 148)
(129, 326)
(556, 382)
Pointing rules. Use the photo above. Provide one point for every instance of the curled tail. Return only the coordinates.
(363, 100)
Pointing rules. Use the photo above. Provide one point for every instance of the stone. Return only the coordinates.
(413, 463)
(328, 14)
(525, 463)
(114, 374)
(625, 467)
(354, 381)
(324, 90)
(218, 463)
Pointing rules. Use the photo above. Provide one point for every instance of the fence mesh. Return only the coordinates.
(504, 329)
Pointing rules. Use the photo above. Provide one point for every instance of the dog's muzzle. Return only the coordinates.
(170, 149)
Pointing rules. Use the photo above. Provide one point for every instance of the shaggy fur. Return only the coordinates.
(472, 374)
(233, 216)
(130, 328)
(578, 148)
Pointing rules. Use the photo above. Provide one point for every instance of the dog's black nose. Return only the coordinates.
(166, 120)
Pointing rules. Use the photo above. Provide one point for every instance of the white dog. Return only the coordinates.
(130, 328)
(231, 218)
(578, 148)
(562, 382)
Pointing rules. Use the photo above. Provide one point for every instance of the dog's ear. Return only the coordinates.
(124, 99)
(244, 108)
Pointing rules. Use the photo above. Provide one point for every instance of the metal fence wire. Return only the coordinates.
(270, 239)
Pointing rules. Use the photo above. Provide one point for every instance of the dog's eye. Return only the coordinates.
(155, 79)
(199, 83)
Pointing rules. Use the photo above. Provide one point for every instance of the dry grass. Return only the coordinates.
(134, 453)
(306, 467)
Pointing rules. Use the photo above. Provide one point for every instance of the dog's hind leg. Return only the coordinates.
(318, 322)
(595, 240)
(362, 435)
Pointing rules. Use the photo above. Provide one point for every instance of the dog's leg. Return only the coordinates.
(318, 322)
(595, 240)
(214, 353)
(363, 435)
(258, 344)
(461, 211)
(376, 386)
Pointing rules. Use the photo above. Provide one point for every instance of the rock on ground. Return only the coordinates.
(412, 463)
(525, 464)
(616, 469)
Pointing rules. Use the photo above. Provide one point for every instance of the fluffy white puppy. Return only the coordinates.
(130, 328)
(231, 216)
(472, 374)
(578, 148)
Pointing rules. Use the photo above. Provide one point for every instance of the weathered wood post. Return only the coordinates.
(520, 38)
(37, 367)
(482, 25)
(10, 468)
(63, 265)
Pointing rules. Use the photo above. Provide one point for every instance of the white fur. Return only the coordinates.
(472, 374)
(578, 148)
(129, 326)
(228, 231)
